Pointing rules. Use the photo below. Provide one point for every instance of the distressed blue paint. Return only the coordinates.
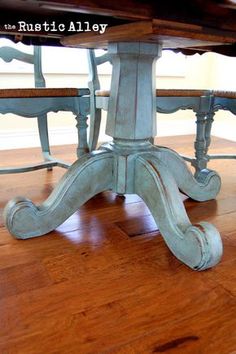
(131, 164)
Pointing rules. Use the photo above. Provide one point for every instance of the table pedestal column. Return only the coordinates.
(131, 164)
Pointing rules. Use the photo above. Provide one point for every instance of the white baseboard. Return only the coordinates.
(29, 138)
(13, 139)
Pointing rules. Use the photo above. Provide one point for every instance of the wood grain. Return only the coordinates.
(43, 92)
(105, 282)
(171, 34)
(176, 93)
(213, 21)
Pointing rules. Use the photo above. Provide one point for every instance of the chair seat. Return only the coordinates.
(180, 93)
(164, 93)
(225, 94)
(102, 93)
(43, 92)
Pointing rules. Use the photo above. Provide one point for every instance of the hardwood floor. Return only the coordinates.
(105, 282)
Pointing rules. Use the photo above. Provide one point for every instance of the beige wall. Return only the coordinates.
(223, 78)
(208, 71)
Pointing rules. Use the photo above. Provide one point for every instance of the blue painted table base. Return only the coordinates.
(131, 164)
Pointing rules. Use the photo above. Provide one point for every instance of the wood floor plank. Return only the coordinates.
(13, 282)
(190, 336)
(117, 295)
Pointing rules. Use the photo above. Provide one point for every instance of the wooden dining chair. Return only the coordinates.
(38, 101)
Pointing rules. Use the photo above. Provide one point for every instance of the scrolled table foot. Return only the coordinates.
(198, 246)
(204, 186)
(21, 218)
(209, 244)
(206, 175)
(87, 177)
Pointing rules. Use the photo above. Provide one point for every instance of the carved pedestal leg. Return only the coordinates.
(84, 179)
(198, 246)
(205, 187)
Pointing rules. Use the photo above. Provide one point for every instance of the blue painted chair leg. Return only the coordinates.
(209, 122)
(94, 128)
(43, 136)
(82, 126)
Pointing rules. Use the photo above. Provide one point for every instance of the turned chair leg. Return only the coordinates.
(94, 128)
(200, 162)
(82, 126)
(209, 122)
(44, 139)
(204, 122)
